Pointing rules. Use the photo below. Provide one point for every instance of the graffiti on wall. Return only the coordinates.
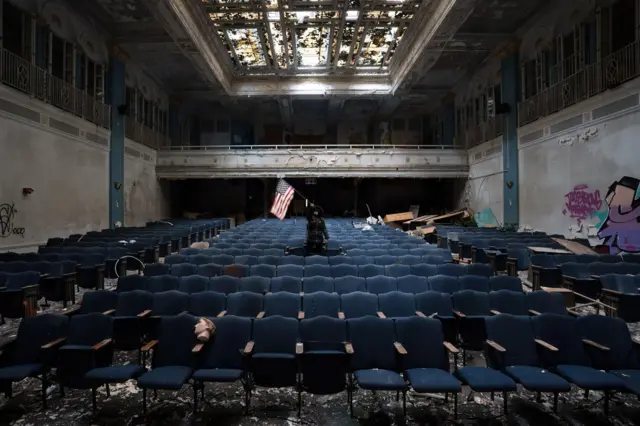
(7, 221)
(621, 228)
(581, 203)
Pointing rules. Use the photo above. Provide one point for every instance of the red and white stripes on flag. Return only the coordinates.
(284, 195)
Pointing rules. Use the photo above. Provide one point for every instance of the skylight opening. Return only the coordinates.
(352, 15)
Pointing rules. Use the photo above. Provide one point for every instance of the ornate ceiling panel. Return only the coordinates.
(299, 37)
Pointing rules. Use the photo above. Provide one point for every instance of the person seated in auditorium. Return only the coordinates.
(317, 235)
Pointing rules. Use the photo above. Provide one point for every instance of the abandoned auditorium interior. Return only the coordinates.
(319, 212)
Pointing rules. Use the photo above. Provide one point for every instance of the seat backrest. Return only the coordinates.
(343, 270)
(543, 260)
(412, 284)
(255, 284)
(131, 303)
(159, 283)
(175, 258)
(224, 284)
(474, 282)
(33, 332)
(283, 304)
(263, 270)
(505, 282)
(321, 303)
(362, 260)
(544, 302)
(317, 271)
(291, 260)
(323, 333)
(209, 270)
(381, 284)
(471, 303)
(170, 303)
(574, 269)
(424, 342)
(424, 270)
(269, 260)
(444, 284)
(508, 302)
(288, 284)
(515, 334)
(368, 271)
(183, 269)
(156, 269)
(432, 302)
(193, 284)
(199, 259)
(397, 305)
(89, 329)
(246, 259)
(98, 301)
(480, 269)
(614, 334)
(291, 271)
(358, 304)
(386, 259)
(397, 270)
(231, 336)
(316, 260)
(617, 282)
(563, 332)
(349, 284)
(451, 269)
(176, 339)
(372, 339)
(317, 283)
(341, 260)
(277, 335)
(19, 280)
(244, 304)
(207, 303)
(131, 282)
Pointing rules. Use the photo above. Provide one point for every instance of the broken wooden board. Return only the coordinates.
(574, 247)
(461, 213)
(421, 219)
(398, 217)
(425, 230)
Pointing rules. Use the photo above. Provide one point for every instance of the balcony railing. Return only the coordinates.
(305, 147)
(39, 84)
(485, 132)
(613, 70)
(142, 134)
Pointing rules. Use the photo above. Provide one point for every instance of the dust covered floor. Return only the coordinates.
(224, 404)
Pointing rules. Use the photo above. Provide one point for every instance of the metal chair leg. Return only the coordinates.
(93, 398)
(455, 405)
(144, 401)
(404, 403)
(44, 392)
(505, 397)
(195, 399)
(555, 402)
(108, 391)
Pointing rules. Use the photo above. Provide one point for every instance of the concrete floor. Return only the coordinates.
(224, 405)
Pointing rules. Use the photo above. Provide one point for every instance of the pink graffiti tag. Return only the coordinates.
(581, 203)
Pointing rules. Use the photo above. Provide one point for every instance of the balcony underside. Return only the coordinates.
(269, 163)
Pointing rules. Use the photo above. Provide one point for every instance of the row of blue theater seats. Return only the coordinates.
(324, 355)
(246, 259)
(378, 284)
(337, 271)
(357, 304)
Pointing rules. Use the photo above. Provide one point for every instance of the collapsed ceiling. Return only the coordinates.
(311, 36)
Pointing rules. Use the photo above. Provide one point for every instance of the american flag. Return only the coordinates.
(284, 195)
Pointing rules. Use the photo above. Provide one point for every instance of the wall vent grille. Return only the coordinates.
(63, 127)
(19, 110)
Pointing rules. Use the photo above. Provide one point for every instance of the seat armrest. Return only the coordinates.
(221, 314)
(102, 344)
(495, 346)
(301, 315)
(260, 315)
(53, 343)
(341, 315)
(607, 290)
(381, 314)
(546, 345)
(183, 312)
(420, 314)
(400, 348)
(301, 293)
(110, 312)
(3, 288)
(248, 348)
(197, 348)
(450, 347)
(299, 348)
(459, 314)
(534, 312)
(348, 347)
(149, 346)
(494, 312)
(144, 314)
(595, 345)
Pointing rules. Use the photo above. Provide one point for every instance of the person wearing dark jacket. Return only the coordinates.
(317, 235)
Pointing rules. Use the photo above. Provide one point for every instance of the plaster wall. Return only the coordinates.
(64, 160)
(484, 187)
(569, 160)
(146, 197)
